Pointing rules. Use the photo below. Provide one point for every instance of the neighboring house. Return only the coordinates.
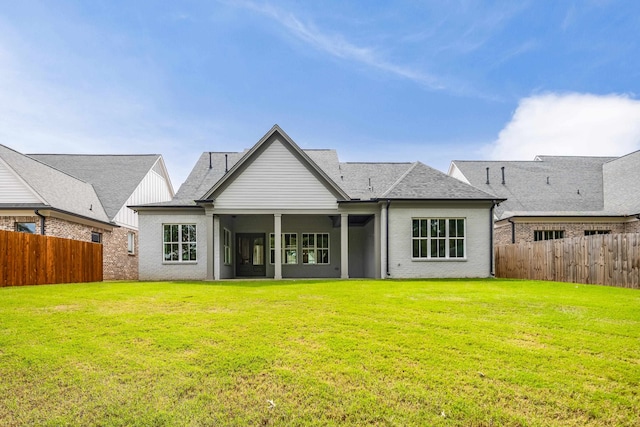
(278, 211)
(82, 197)
(558, 196)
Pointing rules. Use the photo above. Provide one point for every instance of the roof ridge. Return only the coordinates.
(399, 180)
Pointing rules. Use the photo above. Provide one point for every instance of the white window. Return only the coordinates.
(227, 246)
(289, 248)
(315, 248)
(539, 235)
(179, 241)
(435, 238)
(131, 243)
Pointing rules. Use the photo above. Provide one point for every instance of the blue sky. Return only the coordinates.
(378, 81)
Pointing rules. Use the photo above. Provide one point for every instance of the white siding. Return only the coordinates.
(457, 173)
(276, 179)
(153, 188)
(477, 242)
(13, 189)
(150, 235)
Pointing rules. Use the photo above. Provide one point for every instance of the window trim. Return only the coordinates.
(131, 243)
(17, 225)
(226, 246)
(447, 238)
(180, 243)
(284, 248)
(96, 237)
(315, 248)
(596, 232)
(557, 234)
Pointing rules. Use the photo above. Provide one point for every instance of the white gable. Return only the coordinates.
(153, 188)
(276, 179)
(13, 189)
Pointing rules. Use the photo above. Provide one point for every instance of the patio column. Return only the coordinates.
(209, 243)
(344, 246)
(216, 247)
(277, 237)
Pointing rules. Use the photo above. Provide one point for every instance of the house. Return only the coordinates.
(82, 197)
(278, 211)
(558, 196)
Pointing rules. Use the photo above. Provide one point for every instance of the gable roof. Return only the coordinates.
(55, 188)
(548, 184)
(276, 133)
(114, 177)
(350, 180)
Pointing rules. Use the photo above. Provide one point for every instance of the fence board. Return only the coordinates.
(609, 259)
(29, 259)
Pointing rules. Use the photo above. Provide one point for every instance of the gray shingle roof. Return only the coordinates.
(367, 181)
(58, 189)
(114, 177)
(363, 181)
(548, 184)
(424, 182)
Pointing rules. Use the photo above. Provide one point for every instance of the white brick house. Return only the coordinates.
(278, 211)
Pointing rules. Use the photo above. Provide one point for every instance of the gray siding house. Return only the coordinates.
(278, 211)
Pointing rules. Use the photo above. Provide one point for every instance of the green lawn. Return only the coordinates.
(459, 352)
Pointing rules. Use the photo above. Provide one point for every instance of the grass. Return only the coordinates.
(457, 352)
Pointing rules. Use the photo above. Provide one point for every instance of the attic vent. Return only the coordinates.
(370, 188)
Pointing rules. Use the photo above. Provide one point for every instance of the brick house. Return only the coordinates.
(82, 197)
(278, 211)
(554, 197)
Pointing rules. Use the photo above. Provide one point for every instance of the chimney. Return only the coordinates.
(487, 176)
(502, 174)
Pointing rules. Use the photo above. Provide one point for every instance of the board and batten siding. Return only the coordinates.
(13, 189)
(276, 179)
(153, 188)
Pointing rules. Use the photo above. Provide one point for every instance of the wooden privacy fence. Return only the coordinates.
(609, 259)
(30, 259)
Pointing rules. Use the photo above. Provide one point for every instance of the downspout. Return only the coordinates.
(41, 221)
(491, 229)
(513, 230)
(387, 239)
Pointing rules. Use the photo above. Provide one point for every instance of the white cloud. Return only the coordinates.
(336, 45)
(570, 124)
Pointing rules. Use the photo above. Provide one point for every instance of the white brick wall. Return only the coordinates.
(150, 235)
(477, 263)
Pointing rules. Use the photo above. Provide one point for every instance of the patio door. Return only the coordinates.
(250, 259)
